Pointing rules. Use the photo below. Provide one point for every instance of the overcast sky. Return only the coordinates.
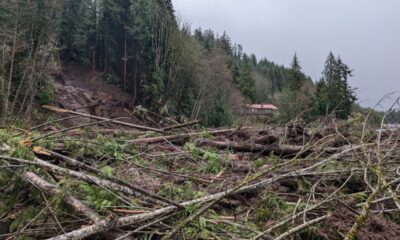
(365, 33)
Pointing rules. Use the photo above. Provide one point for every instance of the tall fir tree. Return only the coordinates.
(296, 77)
(334, 94)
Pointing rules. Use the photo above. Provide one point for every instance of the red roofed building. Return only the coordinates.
(259, 109)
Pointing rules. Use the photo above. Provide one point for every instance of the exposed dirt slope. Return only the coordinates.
(82, 90)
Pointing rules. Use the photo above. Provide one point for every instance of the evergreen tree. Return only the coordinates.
(297, 98)
(333, 91)
(296, 76)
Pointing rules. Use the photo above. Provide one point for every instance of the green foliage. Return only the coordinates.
(24, 216)
(220, 114)
(179, 193)
(46, 95)
(333, 165)
(311, 233)
(98, 197)
(27, 27)
(296, 77)
(107, 171)
(334, 95)
(151, 134)
(297, 100)
(191, 147)
(214, 163)
(245, 81)
(359, 197)
(272, 207)
(259, 163)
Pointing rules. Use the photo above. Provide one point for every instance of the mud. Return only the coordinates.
(82, 90)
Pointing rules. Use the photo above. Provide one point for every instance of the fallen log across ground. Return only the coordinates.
(132, 190)
(277, 149)
(126, 124)
(176, 137)
(75, 163)
(52, 190)
(80, 207)
(181, 125)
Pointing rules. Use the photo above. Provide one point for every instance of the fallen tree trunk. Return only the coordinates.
(265, 140)
(61, 110)
(277, 149)
(132, 191)
(176, 137)
(80, 207)
(75, 163)
(51, 190)
(280, 150)
(181, 125)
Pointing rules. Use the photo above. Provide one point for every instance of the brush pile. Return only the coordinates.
(90, 181)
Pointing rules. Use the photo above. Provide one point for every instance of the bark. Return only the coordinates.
(301, 227)
(280, 150)
(75, 203)
(269, 139)
(51, 190)
(172, 138)
(81, 165)
(181, 125)
(144, 128)
(132, 191)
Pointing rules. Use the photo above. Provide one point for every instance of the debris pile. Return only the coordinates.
(185, 182)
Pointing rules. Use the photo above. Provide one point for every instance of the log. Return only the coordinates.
(80, 207)
(134, 191)
(176, 137)
(181, 125)
(75, 163)
(266, 140)
(51, 190)
(280, 150)
(135, 126)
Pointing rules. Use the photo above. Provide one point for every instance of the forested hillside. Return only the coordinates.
(163, 64)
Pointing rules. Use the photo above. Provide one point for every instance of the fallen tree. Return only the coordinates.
(61, 110)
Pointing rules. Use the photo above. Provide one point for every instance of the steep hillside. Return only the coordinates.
(80, 89)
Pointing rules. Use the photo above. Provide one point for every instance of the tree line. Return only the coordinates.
(140, 46)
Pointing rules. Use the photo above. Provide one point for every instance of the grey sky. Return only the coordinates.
(365, 33)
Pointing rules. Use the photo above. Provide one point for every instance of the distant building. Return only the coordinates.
(259, 109)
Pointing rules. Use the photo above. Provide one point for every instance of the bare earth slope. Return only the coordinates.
(82, 90)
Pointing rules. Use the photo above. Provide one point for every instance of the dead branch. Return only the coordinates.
(301, 227)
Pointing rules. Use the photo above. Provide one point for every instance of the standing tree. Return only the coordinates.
(297, 98)
(334, 95)
(296, 77)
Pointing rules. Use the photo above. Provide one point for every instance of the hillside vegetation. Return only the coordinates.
(166, 67)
